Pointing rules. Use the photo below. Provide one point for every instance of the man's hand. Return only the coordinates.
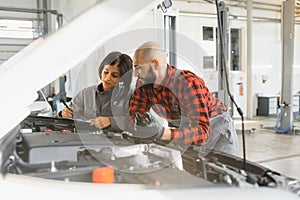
(147, 126)
(167, 135)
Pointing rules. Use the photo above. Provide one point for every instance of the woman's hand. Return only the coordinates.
(67, 112)
(101, 122)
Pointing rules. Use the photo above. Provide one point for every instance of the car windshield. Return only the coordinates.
(40, 97)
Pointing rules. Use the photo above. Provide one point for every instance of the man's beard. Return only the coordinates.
(151, 77)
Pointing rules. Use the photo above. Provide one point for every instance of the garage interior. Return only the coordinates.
(264, 35)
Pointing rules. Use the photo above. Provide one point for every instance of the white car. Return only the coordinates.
(41, 107)
(46, 157)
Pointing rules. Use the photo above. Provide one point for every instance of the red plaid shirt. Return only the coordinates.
(193, 100)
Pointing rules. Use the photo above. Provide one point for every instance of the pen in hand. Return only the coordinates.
(62, 99)
(66, 104)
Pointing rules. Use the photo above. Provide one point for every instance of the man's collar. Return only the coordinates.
(169, 75)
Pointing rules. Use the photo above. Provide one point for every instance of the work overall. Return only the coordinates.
(222, 135)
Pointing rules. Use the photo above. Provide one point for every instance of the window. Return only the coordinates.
(16, 29)
(208, 33)
(235, 61)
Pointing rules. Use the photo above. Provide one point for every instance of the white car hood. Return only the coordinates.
(51, 189)
(44, 60)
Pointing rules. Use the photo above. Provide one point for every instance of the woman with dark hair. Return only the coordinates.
(94, 103)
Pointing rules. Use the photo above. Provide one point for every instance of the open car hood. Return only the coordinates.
(45, 60)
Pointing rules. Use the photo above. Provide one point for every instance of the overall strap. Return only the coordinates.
(174, 89)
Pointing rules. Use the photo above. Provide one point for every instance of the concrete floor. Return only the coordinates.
(278, 152)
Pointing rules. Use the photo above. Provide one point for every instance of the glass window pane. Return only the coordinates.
(16, 29)
(235, 49)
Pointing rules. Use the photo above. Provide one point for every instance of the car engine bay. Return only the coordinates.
(72, 150)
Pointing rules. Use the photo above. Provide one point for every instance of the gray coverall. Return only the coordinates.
(90, 103)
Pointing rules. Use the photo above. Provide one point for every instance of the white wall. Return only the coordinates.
(191, 27)
(266, 60)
